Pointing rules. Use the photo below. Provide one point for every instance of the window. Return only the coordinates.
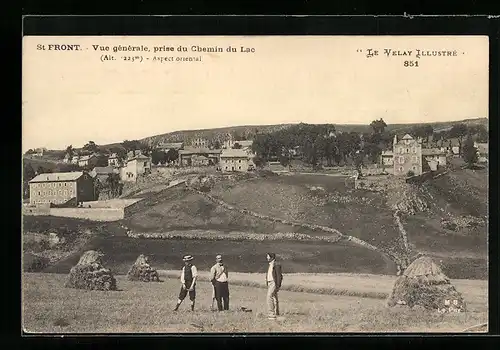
(407, 150)
(239, 168)
(400, 168)
(414, 158)
(65, 184)
(145, 163)
(401, 160)
(239, 161)
(65, 193)
(39, 193)
(60, 192)
(59, 184)
(414, 168)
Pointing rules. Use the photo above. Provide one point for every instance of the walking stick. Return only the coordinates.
(212, 307)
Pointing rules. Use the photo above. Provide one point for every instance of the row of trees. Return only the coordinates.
(320, 144)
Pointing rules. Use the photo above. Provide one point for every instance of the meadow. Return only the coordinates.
(48, 307)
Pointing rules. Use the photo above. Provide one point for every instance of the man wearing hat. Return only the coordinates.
(219, 279)
(189, 273)
(274, 278)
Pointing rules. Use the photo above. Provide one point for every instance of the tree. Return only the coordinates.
(158, 157)
(459, 131)
(469, 153)
(113, 184)
(91, 147)
(30, 151)
(131, 145)
(28, 174)
(358, 161)
(378, 126)
(101, 161)
(236, 146)
(217, 144)
(70, 151)
(171, 156)
(42, 170)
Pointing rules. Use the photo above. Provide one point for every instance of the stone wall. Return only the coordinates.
(94, 214)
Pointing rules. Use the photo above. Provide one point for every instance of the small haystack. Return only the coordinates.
(423, 284)
(142, 271)
(90, 274)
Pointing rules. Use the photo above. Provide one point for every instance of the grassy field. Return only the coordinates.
(360, 214)
(121, 252)
(48, 307)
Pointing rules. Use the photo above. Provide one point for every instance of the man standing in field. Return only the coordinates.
(219, 279)
(274, 277)
(189, 274)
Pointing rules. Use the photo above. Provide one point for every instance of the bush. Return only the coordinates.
(410, 173)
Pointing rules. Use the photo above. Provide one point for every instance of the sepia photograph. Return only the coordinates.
(255, 184)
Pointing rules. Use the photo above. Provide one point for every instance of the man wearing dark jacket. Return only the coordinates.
(274, 277)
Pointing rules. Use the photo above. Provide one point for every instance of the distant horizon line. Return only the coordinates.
(264, 125)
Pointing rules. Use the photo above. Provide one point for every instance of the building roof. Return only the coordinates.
(432, 152)
(197, 150)
(407, 137)
(83, 158)
(482, 148)
(244, 143)
(103, 170)
(52, 177)
(234, 153)
(138, 156)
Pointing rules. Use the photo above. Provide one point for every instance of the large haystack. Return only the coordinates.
(90, 274)
(423, 284)
(142, 271)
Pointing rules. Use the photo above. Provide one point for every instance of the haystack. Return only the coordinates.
(142, 271)
(423, 284)
(90, 274)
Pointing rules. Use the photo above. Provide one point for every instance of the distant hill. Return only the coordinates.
(245, 131)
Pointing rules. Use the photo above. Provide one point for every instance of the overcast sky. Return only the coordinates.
(72, 97)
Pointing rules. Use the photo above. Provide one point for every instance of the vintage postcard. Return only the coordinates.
(230, 184)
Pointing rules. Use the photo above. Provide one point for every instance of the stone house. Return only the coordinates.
(60, 188)
(166, 146)
(188, 156)
(234, 160)
(87, 161)
(435, 155)
(134, 167)
(113, 160)
(482, 152)
(75, 158)
(101, 173)
(199, 142)
(407, 155)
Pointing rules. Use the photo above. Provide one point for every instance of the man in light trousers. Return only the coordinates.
(274, 277)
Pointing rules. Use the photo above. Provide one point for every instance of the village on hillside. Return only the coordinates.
(94, 173)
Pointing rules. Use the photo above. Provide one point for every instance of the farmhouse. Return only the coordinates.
(113, 160)
(87, 161)
(482, 152)
(135, 166)
(408, 155)
(234, 160)
(59, 188)
(435, 157)
(199, 143)
(101, 174)
(75, 158)
(191, 156)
